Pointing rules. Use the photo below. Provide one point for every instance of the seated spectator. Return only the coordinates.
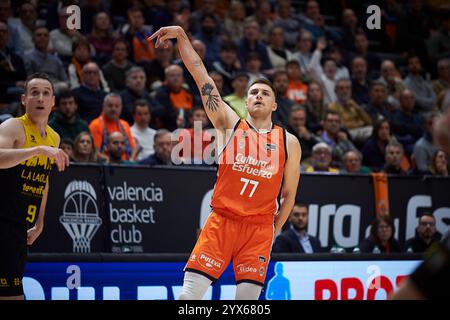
(393, 159)
(424, 149)
(62, 38)
(391, 78)
(442, 83)
(297, 126)
(82, 56)
(352, 163)
(303, 53)
(236, 100)
(353, 117)
(40, 60)
(137, 34)
(67, 146)
(65, 120)
(154, 70)
(381, 236)
(439, 164)
(253, 67)
(336, 54)
(173, 97)
(426, 234)
(109, 121)
(314, 22)
(234, 21)
(374, 149)
(315, 107)
(227, 65)
(297, 90)
(116, 149)
(89, 95)
(423, 91)
(378, 108)
(321, 159)
(209, 34)
(438, 45)
(287, 19)
(350, 29)
(163, 149)
(83, 148)
(295, 238)
(12, 70)
(276, 50)
(362, 50)
(406, 124)
(102, 38)
(360, 81)
(142, 133)
(284, 104)
(114, 71)
(26, 24)
(336, 138)
(263, 15)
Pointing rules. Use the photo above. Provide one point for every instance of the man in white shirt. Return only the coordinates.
(142, 133)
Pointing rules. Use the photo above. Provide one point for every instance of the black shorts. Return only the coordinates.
(13, 255)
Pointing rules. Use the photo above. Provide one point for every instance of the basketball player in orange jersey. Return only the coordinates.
(257, 160)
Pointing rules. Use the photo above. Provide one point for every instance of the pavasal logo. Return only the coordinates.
(209, 262)
(242, 268)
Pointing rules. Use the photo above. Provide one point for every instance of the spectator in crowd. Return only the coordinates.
(218, 81)
(286, 19)
(295, 238)
(438, 44)
(65, 120)
(154, 69)
(407, 125)
(109, 121)
(426, 234)
(141, 131)
(207, 7)
(393, 158)
(353, 117)
(263, 15)
(140, 49)
(439, 164)
(321, 159)
(297, 90)
(67, 146)
(163, 149)
(12, 70)
(14, 41)
(360, 81)
(284, 104)
(276, 50)
(234, 21)
(81, 55)
(362, 50)
(62, 38)
(424, 149)
(83, 148)
(315, 106)
(390, 77)
(236, 100)
(253, 67)
(228, 64)
(173, 97)
(297, 126)
(350, 28)
(381, 237)
(352, 163)
(314, 21)
(423, 91)
(251, 43)
(26, 25)
(442, 83)
(304, 47)
(374, 149)
(209, 35)
(40, 60)
(378, 108)
(89, 95)
(102, 38)
(336, 54)
(333, 136)
(115, 149)
(115, 70)
(89, 9)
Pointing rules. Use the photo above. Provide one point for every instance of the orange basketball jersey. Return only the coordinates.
(250, 172)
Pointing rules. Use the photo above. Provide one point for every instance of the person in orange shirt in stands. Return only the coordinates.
(109, 121)
(259, 165)
(297, 91)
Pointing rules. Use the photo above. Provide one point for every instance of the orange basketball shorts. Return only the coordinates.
(245, 240)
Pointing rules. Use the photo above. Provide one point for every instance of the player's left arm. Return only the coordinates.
(36, 230)
(291, 178)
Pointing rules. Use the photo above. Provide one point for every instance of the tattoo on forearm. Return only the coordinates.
(212, 102)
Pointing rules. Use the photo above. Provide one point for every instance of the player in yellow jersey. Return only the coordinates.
(28, 150)
(258, 160)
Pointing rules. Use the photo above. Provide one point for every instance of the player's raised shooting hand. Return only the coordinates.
(164, 34)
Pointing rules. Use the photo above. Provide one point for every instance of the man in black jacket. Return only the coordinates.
(425, 236)
(295, 238)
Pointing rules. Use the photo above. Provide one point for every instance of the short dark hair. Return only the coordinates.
(327, 112)
(266, 82)
(141, 103)
(64, 94)
(38, 75)
(301, 205)
(79, 42)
